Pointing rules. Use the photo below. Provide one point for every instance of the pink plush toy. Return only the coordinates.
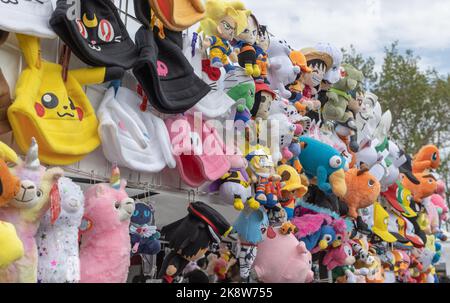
(439, 202)
(340, 260)
(282, 259)
(105, 240)
(25, 211)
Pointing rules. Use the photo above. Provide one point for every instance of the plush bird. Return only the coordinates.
(315, 231)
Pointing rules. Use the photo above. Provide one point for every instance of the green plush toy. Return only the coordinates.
(341, 105)
(243, 93)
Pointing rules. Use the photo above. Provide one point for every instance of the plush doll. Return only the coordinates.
(282, 259)
(190, 237)
(380, 225)
(55, 109)
(143, 234)
(251, 226)
(105, 239)
(424, 189)
(262, 58)
(25, 212)
(282, 132)
(5, 102)
(340, 261)
(291, 189)
(315, 231)
(57, 237)
(426, 158)
(178, 15)
(9, 184)
(245, 47)
(296, 88)
(12, 246)
(368, 118)
(325, 163)
(281, 71)
(263, 101)
(224, 20)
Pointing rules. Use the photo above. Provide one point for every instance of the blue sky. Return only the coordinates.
(370, 25)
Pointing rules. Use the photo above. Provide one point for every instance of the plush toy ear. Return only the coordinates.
(99, 190)
(53, 174)
(123, 184)
(31, 50)
(301, 248)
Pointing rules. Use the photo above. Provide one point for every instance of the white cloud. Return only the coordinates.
(423, 26)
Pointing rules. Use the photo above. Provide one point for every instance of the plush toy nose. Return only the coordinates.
(337, 181)
(323, 244)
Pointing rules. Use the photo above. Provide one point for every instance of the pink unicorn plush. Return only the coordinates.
(25, 211)
(105, 239)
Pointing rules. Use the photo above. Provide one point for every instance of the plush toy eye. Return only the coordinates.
(117, 204)
(339, 237)
(49, 100)
(263, 230)
(327, 238)
(39, 193)
(430, 181)
(348, 251)
(263, 99)
(105, 31)
(371, 183)
(136, 213)
(147, 213)
(72, 106)
(434, 156)
(335, 161)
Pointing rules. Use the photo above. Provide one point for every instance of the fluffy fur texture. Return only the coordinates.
(424, 189)
(362, 190)
(340, 256)
(427, 158)
(105, 247)
(57, 242)
(9, 184)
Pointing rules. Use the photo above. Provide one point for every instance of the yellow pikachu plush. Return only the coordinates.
(56, 112)
(11, 246)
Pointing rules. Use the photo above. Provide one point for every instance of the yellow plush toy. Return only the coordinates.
(10, 244)
(56, 112)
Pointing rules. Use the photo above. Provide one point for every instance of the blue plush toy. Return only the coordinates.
(143, 233)
(322, 161)
(315, 230)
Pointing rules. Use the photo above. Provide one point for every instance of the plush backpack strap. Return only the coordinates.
(31, 50)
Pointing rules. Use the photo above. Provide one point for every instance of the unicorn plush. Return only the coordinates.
(105, 239)
(25, 211)
(57, 237)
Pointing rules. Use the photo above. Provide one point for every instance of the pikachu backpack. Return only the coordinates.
(56, 112)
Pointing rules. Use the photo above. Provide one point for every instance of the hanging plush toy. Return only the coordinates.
(5, 102)
(263, 101)
(427, 158)
(292, 188)
(315, 231)
(143, 233)
(426, 187)
(25, 211)
(57, 237)
(9, 184)
(262, 58)
(251, 226)
(54, 110)
(12, 246)
(224, 20)
(190, 237)
(105, 239)
(245, 47)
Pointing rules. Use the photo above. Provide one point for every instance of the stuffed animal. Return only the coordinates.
(223, 21)
(291, 189)
(57, 237)
(340, 261)
(368, 118)
(282, 259)
(262, 58)
(25, 212)
(424, 189)
(105, 239)
(282, 132)
(363, 190)
(5, 102)
(143, 234)
(325, 163)
(315, 231)
(245, 47)
(281, 71)
(427, 158)
(12, 247)
(263, 101)
(251, 226)
(9, 184)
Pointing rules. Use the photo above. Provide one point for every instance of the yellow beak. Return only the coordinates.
(337, 243)
(337, 181)
(323, 244)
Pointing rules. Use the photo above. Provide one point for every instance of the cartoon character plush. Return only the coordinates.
(53, 109)
(57, 237)
(262, 58)
(12, 246)
(427, 158)
(325, 163)
(319, 63)
(9, 184)
(282, 259)
(245, 47)
(25, 211)
(251, 226)
(105, 239)
(143, 234)
(223, 21)
(426, 187)
(291, 189)
(281, 71)
(315, 231)
(282, 132)
(263, 101)
(340, 261)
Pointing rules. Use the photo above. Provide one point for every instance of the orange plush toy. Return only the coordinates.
(363, 189)
(424, 189)
(427, 158)
(9, 184)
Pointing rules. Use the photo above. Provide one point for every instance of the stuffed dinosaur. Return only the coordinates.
(54, 110)
(325, 163)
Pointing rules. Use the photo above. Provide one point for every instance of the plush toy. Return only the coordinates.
(263, 101)
(281, 71)
(8, 154)
(297, 87)
(282, 259)
(105, 239)
(12, 247)
(9, 184)
(245, 47)
(55, 109)
(282, 132)
(315, 231)
(241, 88)
(424, 189)
(319, 63)
(291, 189)
(340, 261)
(5, 102)
(178, 15)
(363, 190)
(262, 58)
(251, 226)
(190, 237)
(224, 20)
(143, 234)
(427, 158)
(380, 224)
(325, 163)
(25, 211)
(57, 237)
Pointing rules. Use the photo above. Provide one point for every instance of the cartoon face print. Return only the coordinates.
(250, 33)
(314, 79)
(227, 28)
(143, 214)
(57, 105)
(263, 39)
(96, 32)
